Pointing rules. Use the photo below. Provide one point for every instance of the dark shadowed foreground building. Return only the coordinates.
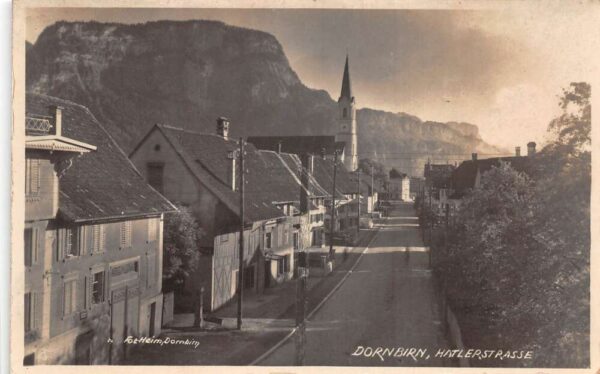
(93, 240)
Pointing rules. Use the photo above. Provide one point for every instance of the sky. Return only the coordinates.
(501, 69)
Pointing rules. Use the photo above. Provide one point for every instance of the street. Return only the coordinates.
(388, 301)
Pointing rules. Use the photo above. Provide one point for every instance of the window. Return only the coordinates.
(152, 230)
(69, 297)
(71, 242)
(283, 264)
(344, 113)
(125, 234)
(29, 311)
(31, 251)
(98, 238)
(32, 177)
(268, 240)
(155, 175)
(97, 286)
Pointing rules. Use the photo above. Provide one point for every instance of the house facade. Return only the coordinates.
(398, 187)
(93, 245)
(201, 171)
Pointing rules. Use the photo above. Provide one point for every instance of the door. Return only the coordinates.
(151, 328)
(267, 273)
(117, 323)
(249, 278)
(83, 349)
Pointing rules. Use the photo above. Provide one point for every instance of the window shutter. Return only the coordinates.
(102, 238)
(35, 245)
(28, 244)
(74, 288)
(32, 308)
(64, 297)
(35, 175)
(61, 253)
(82, 239)
(27, 309)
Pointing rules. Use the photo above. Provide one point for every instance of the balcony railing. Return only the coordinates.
(37, 126)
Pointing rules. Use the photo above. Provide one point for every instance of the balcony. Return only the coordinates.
(37, 126)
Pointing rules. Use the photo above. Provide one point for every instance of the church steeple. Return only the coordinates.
(346, 87)
(346, 131)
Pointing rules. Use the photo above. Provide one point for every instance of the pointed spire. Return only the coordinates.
(346, 87)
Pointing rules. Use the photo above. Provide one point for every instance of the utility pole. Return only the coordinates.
(359, 196)
(301, 308)
(372, 190)
(430, 225)
(332, 220)
(241, 244)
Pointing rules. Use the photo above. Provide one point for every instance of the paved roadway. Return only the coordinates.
(388, 301)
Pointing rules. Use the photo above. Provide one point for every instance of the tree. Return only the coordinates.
(523, 243)
(379, 170)
(181, 250)
(573, 127)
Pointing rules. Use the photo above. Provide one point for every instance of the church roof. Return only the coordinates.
(298, 144)
(346, 86)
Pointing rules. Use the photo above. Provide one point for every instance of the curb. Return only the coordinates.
(337, 286)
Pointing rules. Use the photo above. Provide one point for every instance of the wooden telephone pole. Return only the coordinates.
(240, 282)
(358, 200)
(332, 220)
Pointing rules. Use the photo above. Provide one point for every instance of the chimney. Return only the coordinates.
(231, 156)
(223, 127)
(518, 151)
(474, 156)
(530, 149)
(56, 113)
(307, 168)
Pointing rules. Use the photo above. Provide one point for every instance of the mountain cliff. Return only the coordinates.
(188, 73)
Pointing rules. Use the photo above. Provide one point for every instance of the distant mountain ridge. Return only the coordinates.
(188, 73)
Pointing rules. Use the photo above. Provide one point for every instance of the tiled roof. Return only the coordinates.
(323, 173)
(101, 184)
(298, 144)
(464, 177)
(207, 156)
(294, 165)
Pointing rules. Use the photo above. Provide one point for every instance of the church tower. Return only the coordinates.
(346, 131)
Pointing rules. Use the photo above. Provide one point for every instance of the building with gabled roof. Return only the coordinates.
(92, 240)
(202, 171)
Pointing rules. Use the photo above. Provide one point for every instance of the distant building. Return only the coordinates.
(468, 174)
(318, 146)
(438, 185)
(399, 186)
(93, 240)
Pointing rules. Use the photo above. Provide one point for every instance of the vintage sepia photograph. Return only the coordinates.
(288, 187)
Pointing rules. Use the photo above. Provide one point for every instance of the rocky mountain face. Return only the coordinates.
(188, 73)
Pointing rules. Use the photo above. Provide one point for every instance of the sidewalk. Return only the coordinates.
(279, 302)
(267, 318)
